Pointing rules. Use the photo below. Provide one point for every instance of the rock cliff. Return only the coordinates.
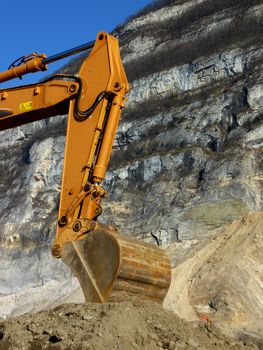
(187, 160)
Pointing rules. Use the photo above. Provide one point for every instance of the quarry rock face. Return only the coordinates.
(186, 163)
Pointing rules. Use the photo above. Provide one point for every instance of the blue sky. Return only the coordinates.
(53, 26)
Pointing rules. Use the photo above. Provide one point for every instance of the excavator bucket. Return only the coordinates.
(112, 267)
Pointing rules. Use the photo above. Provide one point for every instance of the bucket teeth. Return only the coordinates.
(108, 265)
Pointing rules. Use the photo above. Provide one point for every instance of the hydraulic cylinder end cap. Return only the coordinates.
(99, 173)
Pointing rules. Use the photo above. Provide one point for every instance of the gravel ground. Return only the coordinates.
(120, 325)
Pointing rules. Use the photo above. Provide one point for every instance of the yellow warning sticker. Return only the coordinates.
(25, 106)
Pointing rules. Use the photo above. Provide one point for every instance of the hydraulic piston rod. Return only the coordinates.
(38, 62)
(68, 53)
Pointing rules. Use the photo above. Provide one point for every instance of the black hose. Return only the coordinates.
(80, 116)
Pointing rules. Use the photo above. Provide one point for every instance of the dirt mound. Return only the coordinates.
(123, 325)
(222, 278)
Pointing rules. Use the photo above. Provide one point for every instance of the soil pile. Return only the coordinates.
(123, 325)
(223, 277)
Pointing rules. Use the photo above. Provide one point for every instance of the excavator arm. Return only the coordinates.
(105, 262)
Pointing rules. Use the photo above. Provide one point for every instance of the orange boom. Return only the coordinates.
(105, 262)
